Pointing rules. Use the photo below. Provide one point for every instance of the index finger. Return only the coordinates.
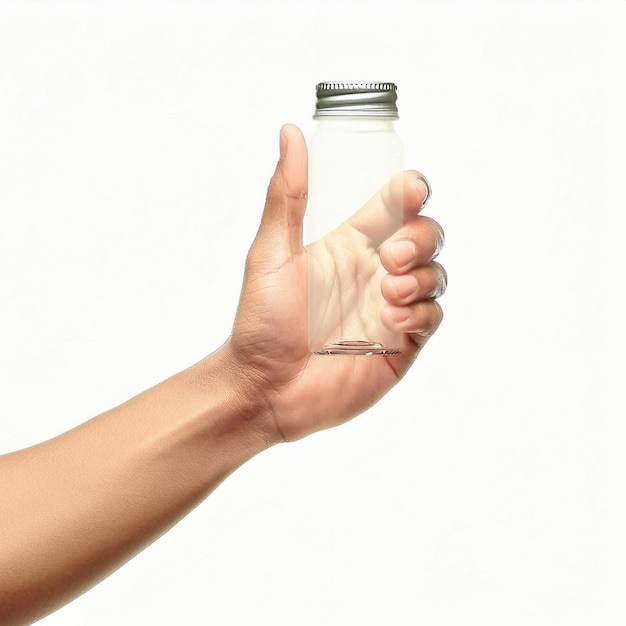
(395, 204)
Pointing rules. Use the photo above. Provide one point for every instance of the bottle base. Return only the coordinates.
(356, 348)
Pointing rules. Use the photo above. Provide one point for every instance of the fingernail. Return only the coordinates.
(442, 285)
(441, 242)
(422, 181)
(283, 143)
(402, 252)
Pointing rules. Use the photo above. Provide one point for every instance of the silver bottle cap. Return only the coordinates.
(357, 98)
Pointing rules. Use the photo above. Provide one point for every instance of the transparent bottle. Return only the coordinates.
(352, 153)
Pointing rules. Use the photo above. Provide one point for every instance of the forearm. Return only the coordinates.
(75, 508)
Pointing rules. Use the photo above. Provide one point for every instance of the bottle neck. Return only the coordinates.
(355, 123)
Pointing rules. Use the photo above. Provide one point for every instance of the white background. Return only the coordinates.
(136, 144)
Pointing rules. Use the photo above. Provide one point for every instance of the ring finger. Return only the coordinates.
(425, 282)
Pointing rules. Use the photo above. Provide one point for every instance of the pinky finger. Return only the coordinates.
(419, 320)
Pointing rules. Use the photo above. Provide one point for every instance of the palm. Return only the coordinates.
(333, 388)
(345, 297)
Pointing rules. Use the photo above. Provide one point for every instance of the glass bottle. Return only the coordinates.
(352, 153)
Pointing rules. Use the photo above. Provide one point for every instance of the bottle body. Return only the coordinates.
(350, 158)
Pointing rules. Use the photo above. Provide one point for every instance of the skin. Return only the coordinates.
(75, 508)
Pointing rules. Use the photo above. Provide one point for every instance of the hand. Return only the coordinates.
(303, 392)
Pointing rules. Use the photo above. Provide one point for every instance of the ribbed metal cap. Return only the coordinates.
(359, 98)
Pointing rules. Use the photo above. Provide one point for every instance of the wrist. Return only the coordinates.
(249, 414)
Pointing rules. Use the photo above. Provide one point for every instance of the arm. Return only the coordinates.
(75, 508)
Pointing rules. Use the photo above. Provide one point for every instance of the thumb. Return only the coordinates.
(281, 224)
